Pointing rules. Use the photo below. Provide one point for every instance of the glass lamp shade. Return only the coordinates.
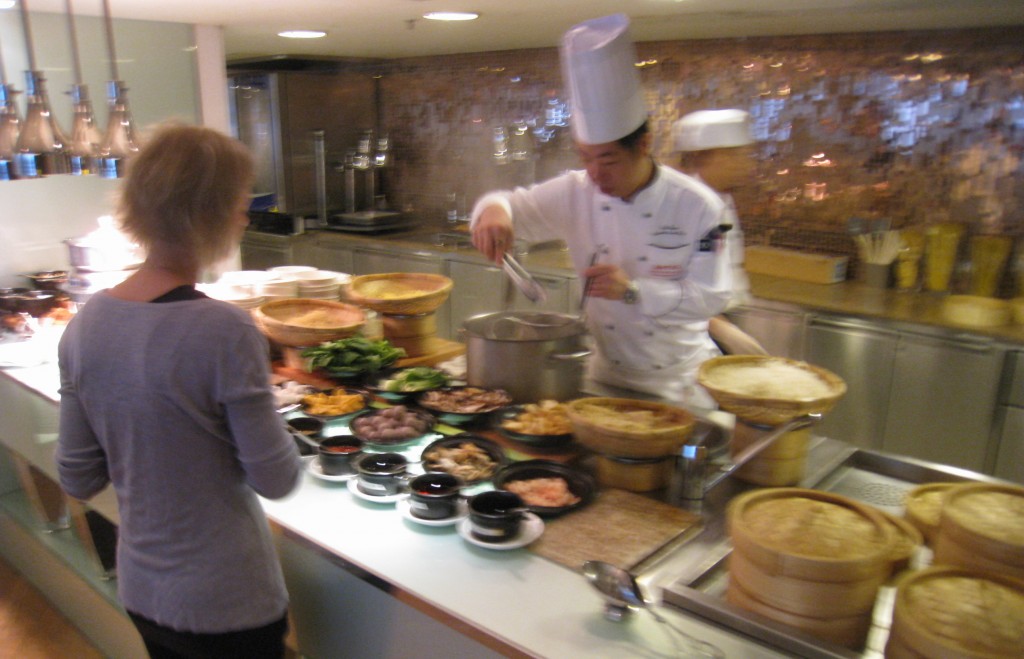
(10, 126)
(84, 145)
(42, 147)
(119, 143)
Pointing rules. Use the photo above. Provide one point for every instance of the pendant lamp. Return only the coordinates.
(119, 143)
(84, 144)
(42, 147)
(10, 125)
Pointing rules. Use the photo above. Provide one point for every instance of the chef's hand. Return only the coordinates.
(492, 233)
(607, 281)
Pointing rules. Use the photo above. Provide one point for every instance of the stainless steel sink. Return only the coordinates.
(692, 574)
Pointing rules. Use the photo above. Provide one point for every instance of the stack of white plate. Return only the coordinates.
(235, 294)
(280, 288)
(291, 270)
(321, 284)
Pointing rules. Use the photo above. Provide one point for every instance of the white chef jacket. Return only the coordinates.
(734, 243)
(667, 240)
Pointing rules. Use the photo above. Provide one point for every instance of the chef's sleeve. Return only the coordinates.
(538, 211)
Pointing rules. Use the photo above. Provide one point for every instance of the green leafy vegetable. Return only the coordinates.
(417, 378)
(352, 357)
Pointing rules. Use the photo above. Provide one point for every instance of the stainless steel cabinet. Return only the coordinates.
(368, 261)
(943, 399)
(862, 354)
(328, 254)
(779, 328)
(928, 396)
(262, 251)
(1010, 459)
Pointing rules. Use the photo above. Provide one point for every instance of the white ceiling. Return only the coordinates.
(393, 28)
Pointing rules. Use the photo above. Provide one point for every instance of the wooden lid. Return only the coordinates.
(923, 506)
(809, 534)
(956, 613)
(989, 517)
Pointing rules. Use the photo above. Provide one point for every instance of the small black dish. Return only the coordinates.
(381, 474)
(451, 414)
(580, 483)
(434, 496)
(491, 448)
(339, 456)
(538, 441)
(495, 515)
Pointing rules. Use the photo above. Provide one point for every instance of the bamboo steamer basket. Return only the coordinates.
(409, 326)
(276, 319)
(923, 506)
(774, 407)
(907, 540)
(982, 526)
(601, 436)
(781, 464)
(419, 292)
(811, 535)
(955, 613)
(847, 631)
(634, 474)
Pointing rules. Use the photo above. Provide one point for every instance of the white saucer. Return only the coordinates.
(530, 529)
(405, 507)
(313, 467)
(353, 487)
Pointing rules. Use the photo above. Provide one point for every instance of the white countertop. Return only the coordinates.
(514, 596)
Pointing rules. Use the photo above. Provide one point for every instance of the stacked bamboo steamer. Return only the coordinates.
(981, 527)
(407, 303)
(808, 559)
(766, 392)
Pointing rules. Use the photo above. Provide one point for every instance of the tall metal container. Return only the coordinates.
(277, 113)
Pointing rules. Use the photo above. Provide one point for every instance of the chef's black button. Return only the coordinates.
(641, 258)
(606, 208)
(648, 333)
(610, 328)
(648, 215)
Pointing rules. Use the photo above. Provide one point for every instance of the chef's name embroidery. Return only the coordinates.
(712, 240)
(668, 237)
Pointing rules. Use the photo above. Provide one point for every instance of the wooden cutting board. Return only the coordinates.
(618, 527)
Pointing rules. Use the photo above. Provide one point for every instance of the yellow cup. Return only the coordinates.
(941, 244)
(988, 258)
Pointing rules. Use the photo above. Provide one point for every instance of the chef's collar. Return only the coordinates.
(647, 184)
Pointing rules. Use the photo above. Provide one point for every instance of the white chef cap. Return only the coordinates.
(712, 129)
(599, 71)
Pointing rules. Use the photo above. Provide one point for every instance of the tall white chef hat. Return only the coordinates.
(712, 129)
(599, 71)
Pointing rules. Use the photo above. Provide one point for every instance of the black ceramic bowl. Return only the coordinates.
(50, 280)
(306, 425)
(370, 426)
(538, 441)
(434, 496)
(340, 455)
(381, 474)
(495, 515)
(467, 466)
(580, 483)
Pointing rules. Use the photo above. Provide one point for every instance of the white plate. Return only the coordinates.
(405, 507)
(530, 529)
(353, 487)
(313, 467)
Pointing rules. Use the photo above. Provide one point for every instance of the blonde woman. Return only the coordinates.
(165, 395)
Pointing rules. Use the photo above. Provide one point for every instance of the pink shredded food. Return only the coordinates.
(548, 492)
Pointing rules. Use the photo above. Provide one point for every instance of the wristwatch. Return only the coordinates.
(631, 294)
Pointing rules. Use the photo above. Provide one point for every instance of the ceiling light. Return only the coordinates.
(451, 16)
(302, 34)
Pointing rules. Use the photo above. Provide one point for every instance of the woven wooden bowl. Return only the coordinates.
(606, 435)
(282, 321)
(775, 409)
(402, 293)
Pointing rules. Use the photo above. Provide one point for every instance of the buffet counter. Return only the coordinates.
(364, 581)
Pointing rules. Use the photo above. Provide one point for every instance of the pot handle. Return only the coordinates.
(569, 356)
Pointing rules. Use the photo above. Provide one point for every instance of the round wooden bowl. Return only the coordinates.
(811, 535)
(400, 293)
(907, 538)
(774, 408)
(922, 507)
(982, 525)
(608, 435)
(281, 321)
(986, 609)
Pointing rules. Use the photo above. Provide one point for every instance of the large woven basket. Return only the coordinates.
(430, 292)
(769, 410)
(277, 319)
(605, 437)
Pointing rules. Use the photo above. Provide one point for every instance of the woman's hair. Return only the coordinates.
(182, 190)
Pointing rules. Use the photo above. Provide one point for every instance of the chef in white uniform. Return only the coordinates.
(648, 238)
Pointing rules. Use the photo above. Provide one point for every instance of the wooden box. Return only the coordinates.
(791, 264)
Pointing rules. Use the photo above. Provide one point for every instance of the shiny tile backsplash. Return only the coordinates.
(917, 127)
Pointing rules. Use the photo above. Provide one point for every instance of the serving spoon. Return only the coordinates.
(622, 593)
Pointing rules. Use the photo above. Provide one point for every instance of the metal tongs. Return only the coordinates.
(523, 280)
